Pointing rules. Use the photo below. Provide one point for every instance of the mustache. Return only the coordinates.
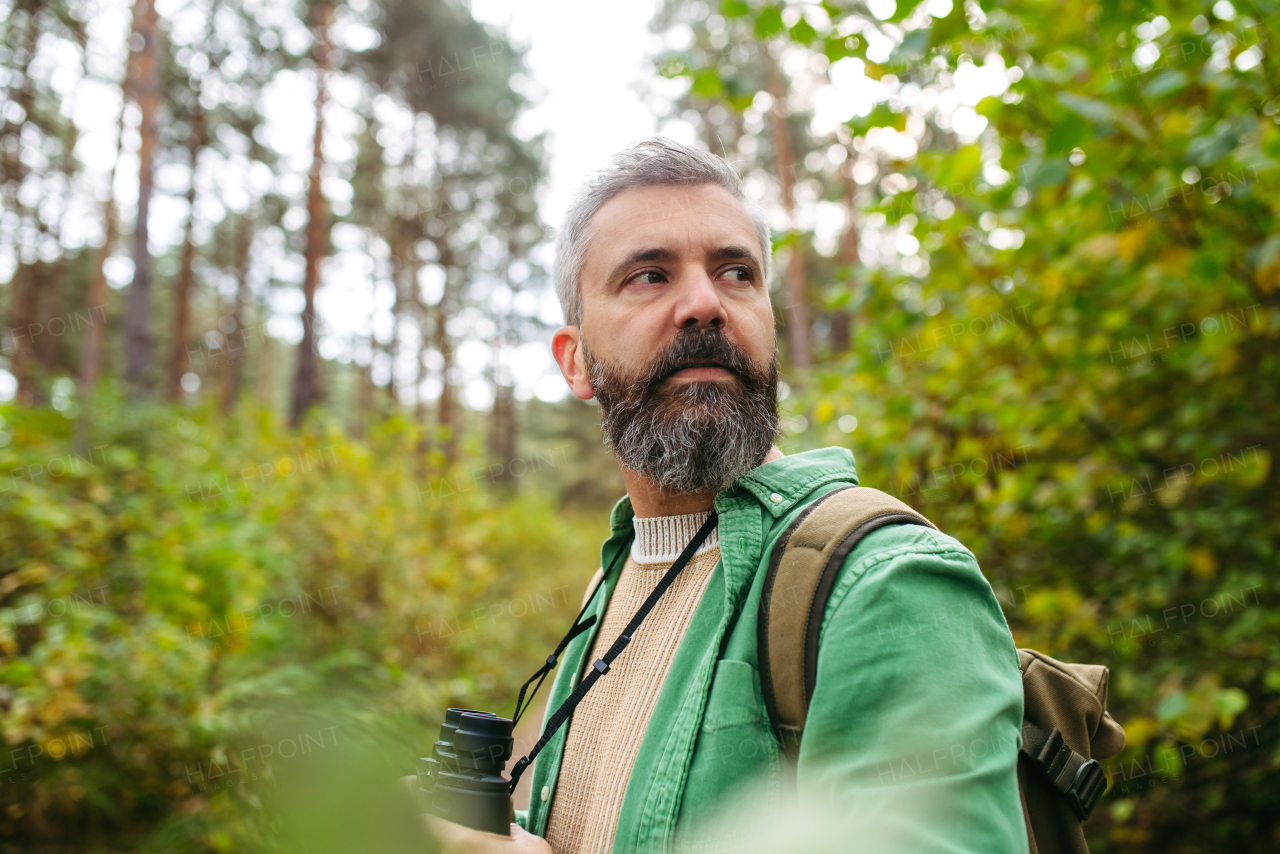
(695, 348)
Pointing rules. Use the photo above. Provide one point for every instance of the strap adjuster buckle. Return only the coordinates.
(1086, 789)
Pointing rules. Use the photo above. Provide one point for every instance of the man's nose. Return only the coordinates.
(698, 301)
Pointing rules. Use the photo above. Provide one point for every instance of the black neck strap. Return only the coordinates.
(579, 626)
(601, 666)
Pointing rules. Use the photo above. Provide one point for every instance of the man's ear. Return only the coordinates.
(566, 347)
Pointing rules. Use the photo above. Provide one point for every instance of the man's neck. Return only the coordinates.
(649, 500)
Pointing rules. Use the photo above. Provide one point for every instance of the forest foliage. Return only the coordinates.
(1028, 271)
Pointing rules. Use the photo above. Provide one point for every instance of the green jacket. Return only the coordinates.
(915, 720)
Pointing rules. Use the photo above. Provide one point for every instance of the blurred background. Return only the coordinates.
(286, 467)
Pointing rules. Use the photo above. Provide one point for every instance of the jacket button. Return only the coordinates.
(546, 792)
(775, 498)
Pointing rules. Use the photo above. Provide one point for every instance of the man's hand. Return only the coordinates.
(456, 839)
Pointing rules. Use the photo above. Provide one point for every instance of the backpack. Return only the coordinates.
(1065, 729)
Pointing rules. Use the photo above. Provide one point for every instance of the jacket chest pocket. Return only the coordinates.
(735, 752)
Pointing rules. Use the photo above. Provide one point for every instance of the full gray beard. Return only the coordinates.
(696, 436)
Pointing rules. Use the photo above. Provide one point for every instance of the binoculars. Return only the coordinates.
(462, 778)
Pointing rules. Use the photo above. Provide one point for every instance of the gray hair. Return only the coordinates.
(653, 163)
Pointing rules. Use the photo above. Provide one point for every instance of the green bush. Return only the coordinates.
(180, 588)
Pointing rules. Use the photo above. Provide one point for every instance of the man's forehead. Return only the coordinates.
(706, 215)
(655, 205)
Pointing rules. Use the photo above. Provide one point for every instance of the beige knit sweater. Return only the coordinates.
(608, 725)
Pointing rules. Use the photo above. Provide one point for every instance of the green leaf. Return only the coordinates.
(769, 22)
(1208, 149)
(1230, 702)
(1167, 82)
(1172, 706)
(904, 9)
(734, 8)
(1066, 135)
(880, 116)
(1097, 112)
(1207, 266)
(913, 47)
(706, 83)
(836, 48)
(671, 67)
(1052, 172)
(960, 167)
(803, 32)
(1267, 253)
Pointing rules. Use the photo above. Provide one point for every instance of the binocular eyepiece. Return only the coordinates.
(462, 778)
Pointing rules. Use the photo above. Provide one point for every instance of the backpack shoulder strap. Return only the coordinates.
(802, 570)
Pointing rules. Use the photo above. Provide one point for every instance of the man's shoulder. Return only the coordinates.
(890, 541)
(890, 552)
(904, 536)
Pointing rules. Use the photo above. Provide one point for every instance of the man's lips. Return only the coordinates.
(702, 372)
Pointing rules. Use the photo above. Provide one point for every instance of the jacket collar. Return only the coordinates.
(782, 484)
(791, 479)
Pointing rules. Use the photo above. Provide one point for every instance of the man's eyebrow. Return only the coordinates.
(640, 256)
(734, 252)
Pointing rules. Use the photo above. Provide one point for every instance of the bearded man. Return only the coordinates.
(662, 269)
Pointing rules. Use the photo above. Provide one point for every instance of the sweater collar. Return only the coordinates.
(778, 486)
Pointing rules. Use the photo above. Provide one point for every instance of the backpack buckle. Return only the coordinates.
(1087, 788)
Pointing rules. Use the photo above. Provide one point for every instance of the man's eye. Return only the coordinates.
(739, 274)
(646, 277)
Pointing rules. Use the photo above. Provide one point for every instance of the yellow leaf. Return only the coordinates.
(1130, 242)
(1203, 564)
(1175, 260)
(1052, 283)
(1138, 731)
(1100, 247)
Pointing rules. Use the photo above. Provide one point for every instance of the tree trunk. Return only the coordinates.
(709, 136)
(364, 399)
(362, 403)
(502, 420)
(234, 373)
(54, 299)
(785, 163)
(446, 417)
(842, 319)
(47, 351)
(419, 376)
(25, 290)
(399, 250)
(502, 426)
(306, 385)
(186, 272)
(265, 382)
(137, 316)
(24, 328)
(96, 296)
(420, 364)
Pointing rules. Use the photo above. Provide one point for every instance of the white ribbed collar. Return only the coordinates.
(661, 539)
